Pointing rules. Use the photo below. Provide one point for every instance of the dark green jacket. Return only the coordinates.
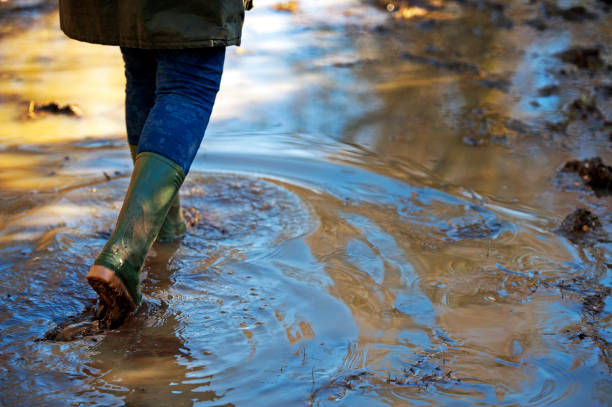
(154, 24)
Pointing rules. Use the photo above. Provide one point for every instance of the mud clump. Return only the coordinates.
(537, 23)
(37, 110)
(582, 57)
(604, 91)
(414, 376)
(582, 227)
(583, 109)
(197, 219)
(548, 91)
(594, 173)
(87, 323)
(583, 118)
(573, 14)
(74, 331)
(192, 216)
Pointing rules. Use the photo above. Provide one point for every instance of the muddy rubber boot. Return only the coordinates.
(115, 274)
(174, 226)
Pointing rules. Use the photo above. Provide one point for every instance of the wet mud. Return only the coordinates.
(583, 227)
(479, 75)
(221, 211)
(593, 173)
(36, 110)
(416, 376)
(483, 126)
(583, 58)
(87, 323)
(575, 13)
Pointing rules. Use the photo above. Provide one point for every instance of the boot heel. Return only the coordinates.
(113, 293)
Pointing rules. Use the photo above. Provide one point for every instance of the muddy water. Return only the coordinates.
(356, 237)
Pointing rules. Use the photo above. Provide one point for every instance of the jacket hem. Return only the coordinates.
(131, 43)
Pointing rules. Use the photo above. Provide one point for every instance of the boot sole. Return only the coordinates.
(113, 293)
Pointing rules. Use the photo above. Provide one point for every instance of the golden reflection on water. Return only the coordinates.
(45, 67)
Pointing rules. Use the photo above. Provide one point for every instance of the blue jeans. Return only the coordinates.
(169, 97)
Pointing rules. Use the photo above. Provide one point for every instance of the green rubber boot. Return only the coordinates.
(116, 272)
(174, 226)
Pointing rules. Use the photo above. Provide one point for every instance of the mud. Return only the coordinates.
(583, 227)
(455, 66)
(37, 110)
(548, 90)
(596, 303)
(198, 219)
(88, 323)
(604, 91)
(583, 58)
(584, 110)
(593, 173)
(418, 374)
(582, 119)
(574, 14)
(483, 127)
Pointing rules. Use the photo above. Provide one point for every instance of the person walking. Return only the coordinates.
(173, 54)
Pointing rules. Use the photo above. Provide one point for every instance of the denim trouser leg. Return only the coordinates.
(140, 72)
(169, 99)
